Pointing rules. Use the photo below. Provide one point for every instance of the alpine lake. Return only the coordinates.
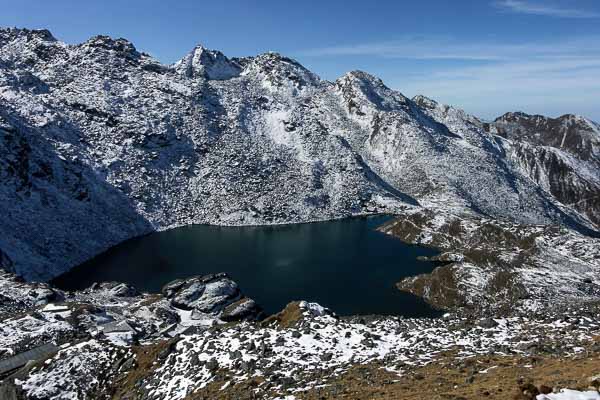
(345, 265)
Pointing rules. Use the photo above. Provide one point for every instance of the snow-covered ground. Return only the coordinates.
(568, 394)
(306, 348)
(496, 264)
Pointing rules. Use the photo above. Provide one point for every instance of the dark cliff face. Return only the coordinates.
(564, 177)
(573, 134)
(562, 155)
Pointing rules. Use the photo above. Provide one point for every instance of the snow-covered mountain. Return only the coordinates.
(100, 142)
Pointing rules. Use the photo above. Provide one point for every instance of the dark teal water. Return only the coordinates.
(345, 265)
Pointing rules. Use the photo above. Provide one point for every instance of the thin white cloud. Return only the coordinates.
(491, 76)
(544, 9)
(547, 86)
(558, 76)
(436, 48)
(408, 48)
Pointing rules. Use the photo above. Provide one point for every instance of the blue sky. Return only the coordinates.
(486, 56)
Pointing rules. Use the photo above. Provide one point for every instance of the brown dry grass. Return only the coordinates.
(245, 390)
(145, 356)
(485, 377)
(291, 314)
(504, 378)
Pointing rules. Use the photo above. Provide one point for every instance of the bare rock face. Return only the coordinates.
(209, 64)
(573, 181)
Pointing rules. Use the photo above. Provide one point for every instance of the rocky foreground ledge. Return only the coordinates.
(201, 338)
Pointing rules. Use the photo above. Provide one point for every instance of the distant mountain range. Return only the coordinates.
(100, 142)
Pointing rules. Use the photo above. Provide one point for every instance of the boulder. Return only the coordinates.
(43, 294)
(116, 289)
(188, 294)
(123, 290)
(165, 315)
(171, 288)
(208, 294)
(243, 309)
(314, 309)
(487, 323)
(212, 365)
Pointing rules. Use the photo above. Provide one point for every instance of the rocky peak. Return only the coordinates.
(572, 133)
(561, 154)
(279, 71)
(513, 116)
(8, 34)
(358, 87)
(425, 102)
(120, 46)
(362, 76)
(445, 113)
(210, 64)
(579, 122)
(361, 79)
(542, 121)
(27, 47)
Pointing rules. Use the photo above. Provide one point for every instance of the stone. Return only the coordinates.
(194, 360)
(212, 365)
(594, 381)
(172, 287)
(123, 290)
(43, 295)
(545, 389)
(209, 294)
(487, 323)
(243, 309)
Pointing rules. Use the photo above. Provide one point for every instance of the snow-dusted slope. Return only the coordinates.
(101, 142)
(490, 264)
